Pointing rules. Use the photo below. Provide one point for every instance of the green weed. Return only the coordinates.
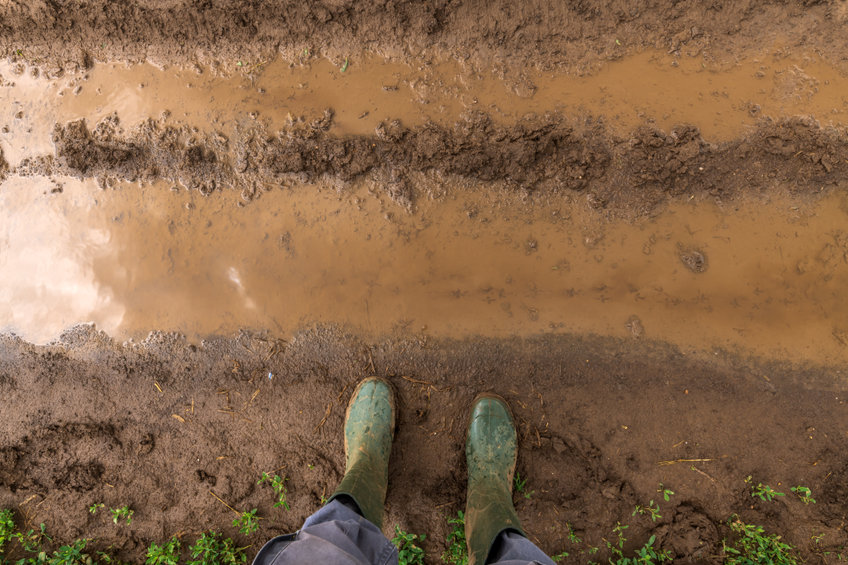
(764, 492)
(122, 513)
(165, 554)
(95, 507)
(804, 493)
(106, 558)
(73, 554)
(645, 555)
(7, 527)
(210, 549)
(559, 556)
(667, 493)
(457, 551)
(279, 485)
(247, 522)
(409, 553)
(754, 546)
(521, 485)
(572, 537)
(651, 509)
(345, 65)
(31, 541)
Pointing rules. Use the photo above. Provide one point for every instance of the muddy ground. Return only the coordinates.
(172, 429)
(574, 36)
(631, 175)
(162, 425)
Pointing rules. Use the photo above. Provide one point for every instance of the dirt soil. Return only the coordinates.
(172, 429)
(626, 175)
(85, 421)
(574, 36)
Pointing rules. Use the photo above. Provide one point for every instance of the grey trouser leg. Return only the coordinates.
(335, 535)
(511, 548)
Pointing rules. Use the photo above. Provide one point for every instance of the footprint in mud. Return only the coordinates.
(571, 473)
(691, 536)
(57, 457)
(694, 259)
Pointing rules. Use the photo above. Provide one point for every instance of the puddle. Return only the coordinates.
(136, 259)
(140, 258)
(651, 86)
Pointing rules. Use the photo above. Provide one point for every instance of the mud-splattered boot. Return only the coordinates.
(491, 449)
(369, 429)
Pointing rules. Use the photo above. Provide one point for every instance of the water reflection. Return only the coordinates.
(49, 245)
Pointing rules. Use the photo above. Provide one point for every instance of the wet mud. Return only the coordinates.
(633, 174)
(627, 219)
(162, 425)
(575, 37)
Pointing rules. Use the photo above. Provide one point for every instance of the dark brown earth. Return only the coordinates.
(71, 35)
(84, 421)
(544, 153)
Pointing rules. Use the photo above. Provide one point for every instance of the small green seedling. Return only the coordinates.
(754, 545)
(457, 551)
(666, 492)
(559, 556)
(653, 510)
(644, 555)
(122, 513)
(95, 507)
(345, 65)
(572, 537)
(804, 493)
(764, 492)
(279, 485)
(520, 486)
(247, 522)
(31, 541)
(7, 527)
(73, 554)
(165, 554)
(210, 549)
(409, 553)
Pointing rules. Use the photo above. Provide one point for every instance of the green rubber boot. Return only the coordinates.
(491, 449)
(369, 429)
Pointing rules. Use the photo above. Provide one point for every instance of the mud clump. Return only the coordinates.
(4, 166)
(527, 155)
(670, 160)
(694, 259)
(540, 152)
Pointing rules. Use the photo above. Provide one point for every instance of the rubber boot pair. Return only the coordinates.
(490, 450)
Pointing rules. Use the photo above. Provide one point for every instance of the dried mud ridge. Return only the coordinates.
(538, 153)
(160, 424)
(70, 35)
(4, 166)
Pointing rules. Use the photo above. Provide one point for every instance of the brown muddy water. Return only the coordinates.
(650, 87)
(764, 276)
(761, 277)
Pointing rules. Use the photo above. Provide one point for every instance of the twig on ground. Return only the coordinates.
(221, 500)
